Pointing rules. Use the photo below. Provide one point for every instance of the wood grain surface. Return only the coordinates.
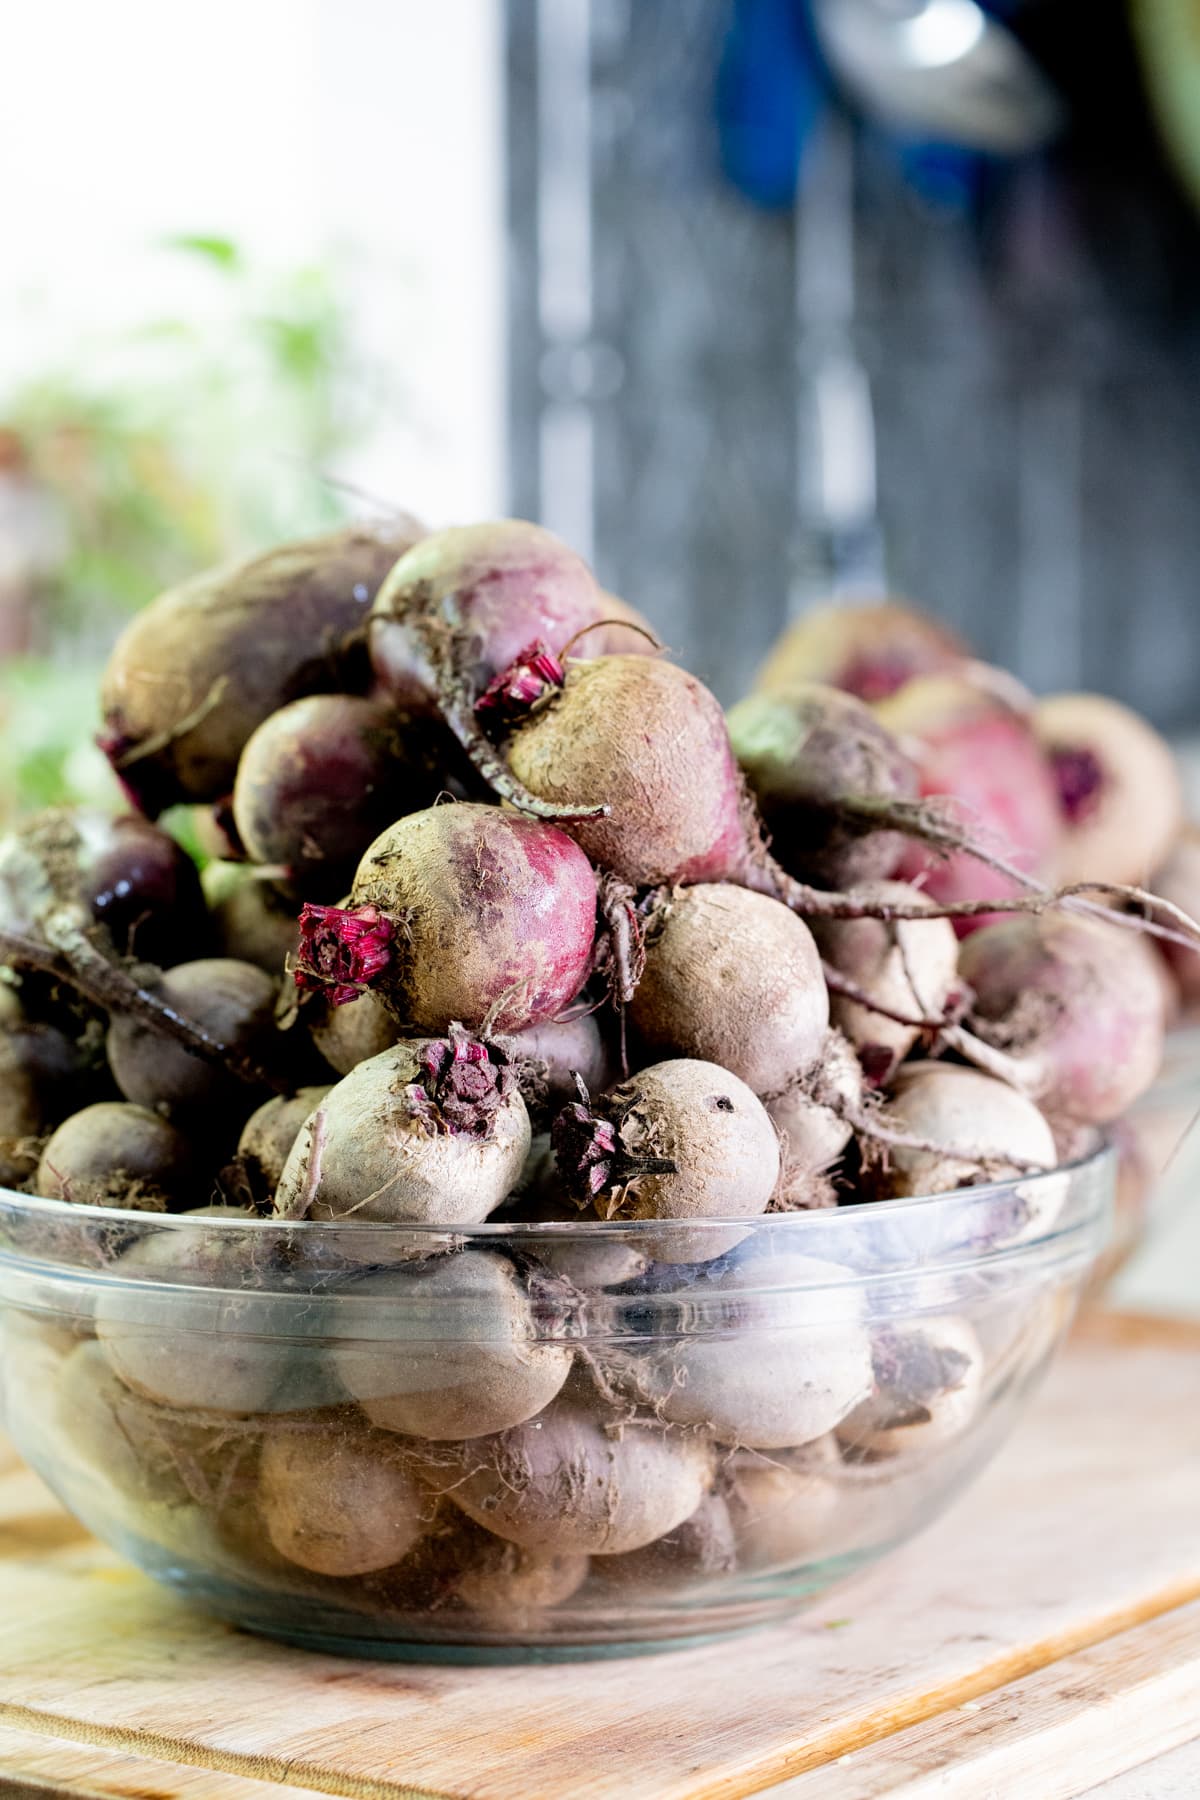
(1043, 1637)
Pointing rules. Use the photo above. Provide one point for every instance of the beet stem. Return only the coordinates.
(622, 957)
(867, 1125)
(68, 955)
(765, 876)
(837, 983)
(599, 624)
(1015, 1071)
(456, 702)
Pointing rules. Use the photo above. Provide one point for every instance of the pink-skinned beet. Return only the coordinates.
(870, 651)
(1073, 1007)
(459, 912)
(478, 615)
(649, 741)
(977, 751)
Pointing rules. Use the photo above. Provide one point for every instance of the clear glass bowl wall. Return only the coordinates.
(1158, 1142)
(529, 1440)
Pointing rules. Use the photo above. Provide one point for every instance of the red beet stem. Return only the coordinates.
(457, 704)
(343, 950)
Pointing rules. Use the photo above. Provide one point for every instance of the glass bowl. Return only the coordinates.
(529, 1441)
(1158, 1155)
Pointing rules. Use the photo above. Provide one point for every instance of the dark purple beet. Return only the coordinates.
(145, 890)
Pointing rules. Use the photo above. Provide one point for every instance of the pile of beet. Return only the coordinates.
(503, 918)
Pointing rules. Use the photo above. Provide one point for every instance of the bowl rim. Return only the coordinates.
(1101, 1155)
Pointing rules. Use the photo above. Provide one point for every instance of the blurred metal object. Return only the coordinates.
(839, 543)
(943, 69)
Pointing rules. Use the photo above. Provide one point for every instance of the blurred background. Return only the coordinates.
(753, 300)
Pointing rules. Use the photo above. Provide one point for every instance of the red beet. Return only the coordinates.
(870, 651)
(195, 672)
(319, 780)
(477, 616)
(124, 875)
(973, 747)
(1118, 785)
(463, 913)
(1074, 1008)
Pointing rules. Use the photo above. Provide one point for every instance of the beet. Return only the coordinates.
(983, 1130)
(702, 1549)
(1118, 784)
(679, 1140)
(781, 1507)
(825, 773)
(909, 968)
(974, 748)
(319, 780)
(547, 1058)
(208, 1340)
(232, 1001)
(269, 1134)
(338, 1499)
(195, 672)
(256, 923)
(572, 1482)
(469, 617)
(1073, 1008)
(349, 1034)
(785, 1359)
(462, 913)
(491, 590)
(42, 1072)
(123, 875)
(732, 977)
(115, 1154)
(430, 1132)
(647, 740)
(869, 650)
(927, 1388)
(448, 1348)
(813, 1118)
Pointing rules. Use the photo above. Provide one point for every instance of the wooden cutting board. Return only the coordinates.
(1042, 1638)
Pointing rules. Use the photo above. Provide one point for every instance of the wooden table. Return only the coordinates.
(1040, 1641)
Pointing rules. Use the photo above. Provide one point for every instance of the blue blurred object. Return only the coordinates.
(945, 61)
(771, 88)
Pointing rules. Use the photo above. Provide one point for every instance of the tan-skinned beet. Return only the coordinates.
(195, 672)
(626, 1487)
(786, 1357)
(116, 1154)
(338, 1499)
(430, 1132)
(732, 977)
(269, 1135)
(449, 1349)
(681, 1140)
(234, 1002)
